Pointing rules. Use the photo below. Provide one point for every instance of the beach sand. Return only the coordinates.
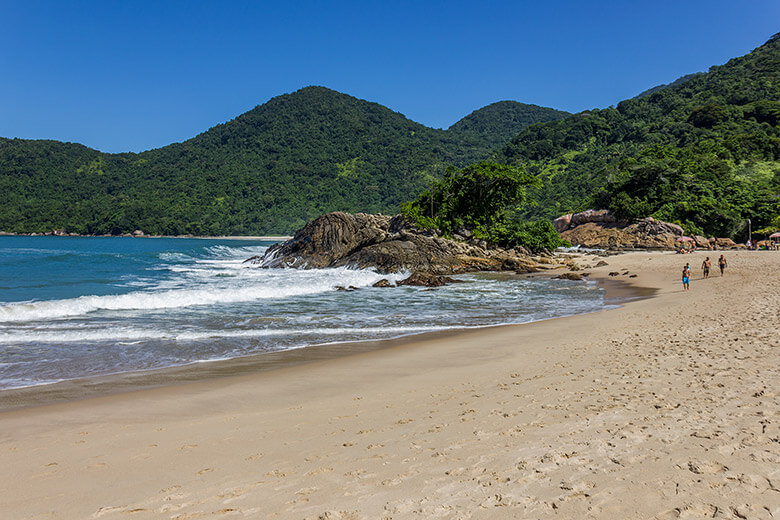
(667, 407)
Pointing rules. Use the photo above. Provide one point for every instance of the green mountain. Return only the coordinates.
(267, 171)
(498, 122)
(703, 153)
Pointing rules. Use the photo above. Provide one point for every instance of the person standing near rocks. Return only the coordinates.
(686, 277)
(722, 264)
(705, 267)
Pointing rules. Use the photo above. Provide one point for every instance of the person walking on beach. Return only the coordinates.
(705, 267)
(686, 277)
(722, 264)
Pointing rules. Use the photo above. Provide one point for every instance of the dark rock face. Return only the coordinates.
(423, 279)
(325, 240)
(387, 244)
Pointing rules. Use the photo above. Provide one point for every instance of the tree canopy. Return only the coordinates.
(482, 199)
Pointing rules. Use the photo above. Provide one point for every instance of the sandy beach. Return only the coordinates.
(664, 408)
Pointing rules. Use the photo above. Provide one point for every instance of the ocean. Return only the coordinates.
(75, 307)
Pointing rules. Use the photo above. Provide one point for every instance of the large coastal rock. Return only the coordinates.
(599, 229)
(387, 244)
(645, 234)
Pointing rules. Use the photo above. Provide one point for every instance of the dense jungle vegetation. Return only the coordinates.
(702, 152)
(268, 171)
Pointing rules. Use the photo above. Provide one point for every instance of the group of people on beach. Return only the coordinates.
(705, 267)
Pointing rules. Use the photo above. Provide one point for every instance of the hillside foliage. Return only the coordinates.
(703, 153)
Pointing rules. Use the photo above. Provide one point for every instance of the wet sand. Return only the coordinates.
(664, 408)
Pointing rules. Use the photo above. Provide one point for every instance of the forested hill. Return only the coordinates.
(678, 81)
(703, 152)
(498, 122)
(267, 171)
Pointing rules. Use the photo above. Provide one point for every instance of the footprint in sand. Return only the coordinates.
(706, 467)
(690, 512)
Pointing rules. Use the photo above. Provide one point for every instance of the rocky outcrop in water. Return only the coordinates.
(422, 279)
(387, 244)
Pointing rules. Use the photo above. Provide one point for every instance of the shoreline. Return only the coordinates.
(616, 292)
(663, 408)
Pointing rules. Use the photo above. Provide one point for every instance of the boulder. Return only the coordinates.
(725, 243)
(603, 216)
(327, 239)
(423, 279)
(569, 276)
(651, 226)
(387, 244)
(701, 242)
(384, 282)
(562, 223)
(645, 234)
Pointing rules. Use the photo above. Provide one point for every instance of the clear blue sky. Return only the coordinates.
(133, 75)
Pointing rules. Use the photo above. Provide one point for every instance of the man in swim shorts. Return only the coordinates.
(705, 267)
(686, 277)
(722, 264)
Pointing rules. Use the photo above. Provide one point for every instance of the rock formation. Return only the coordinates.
(599, 229)
(646, 234)
(387, 244)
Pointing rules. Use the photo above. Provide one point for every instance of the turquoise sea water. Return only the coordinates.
(74, 307)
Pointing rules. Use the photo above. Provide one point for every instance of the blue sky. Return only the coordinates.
(134, 75)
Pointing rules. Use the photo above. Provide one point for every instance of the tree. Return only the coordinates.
(483, 198)
(475, 196)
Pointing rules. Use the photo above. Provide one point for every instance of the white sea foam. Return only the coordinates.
(255, 284)
(130, 336)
